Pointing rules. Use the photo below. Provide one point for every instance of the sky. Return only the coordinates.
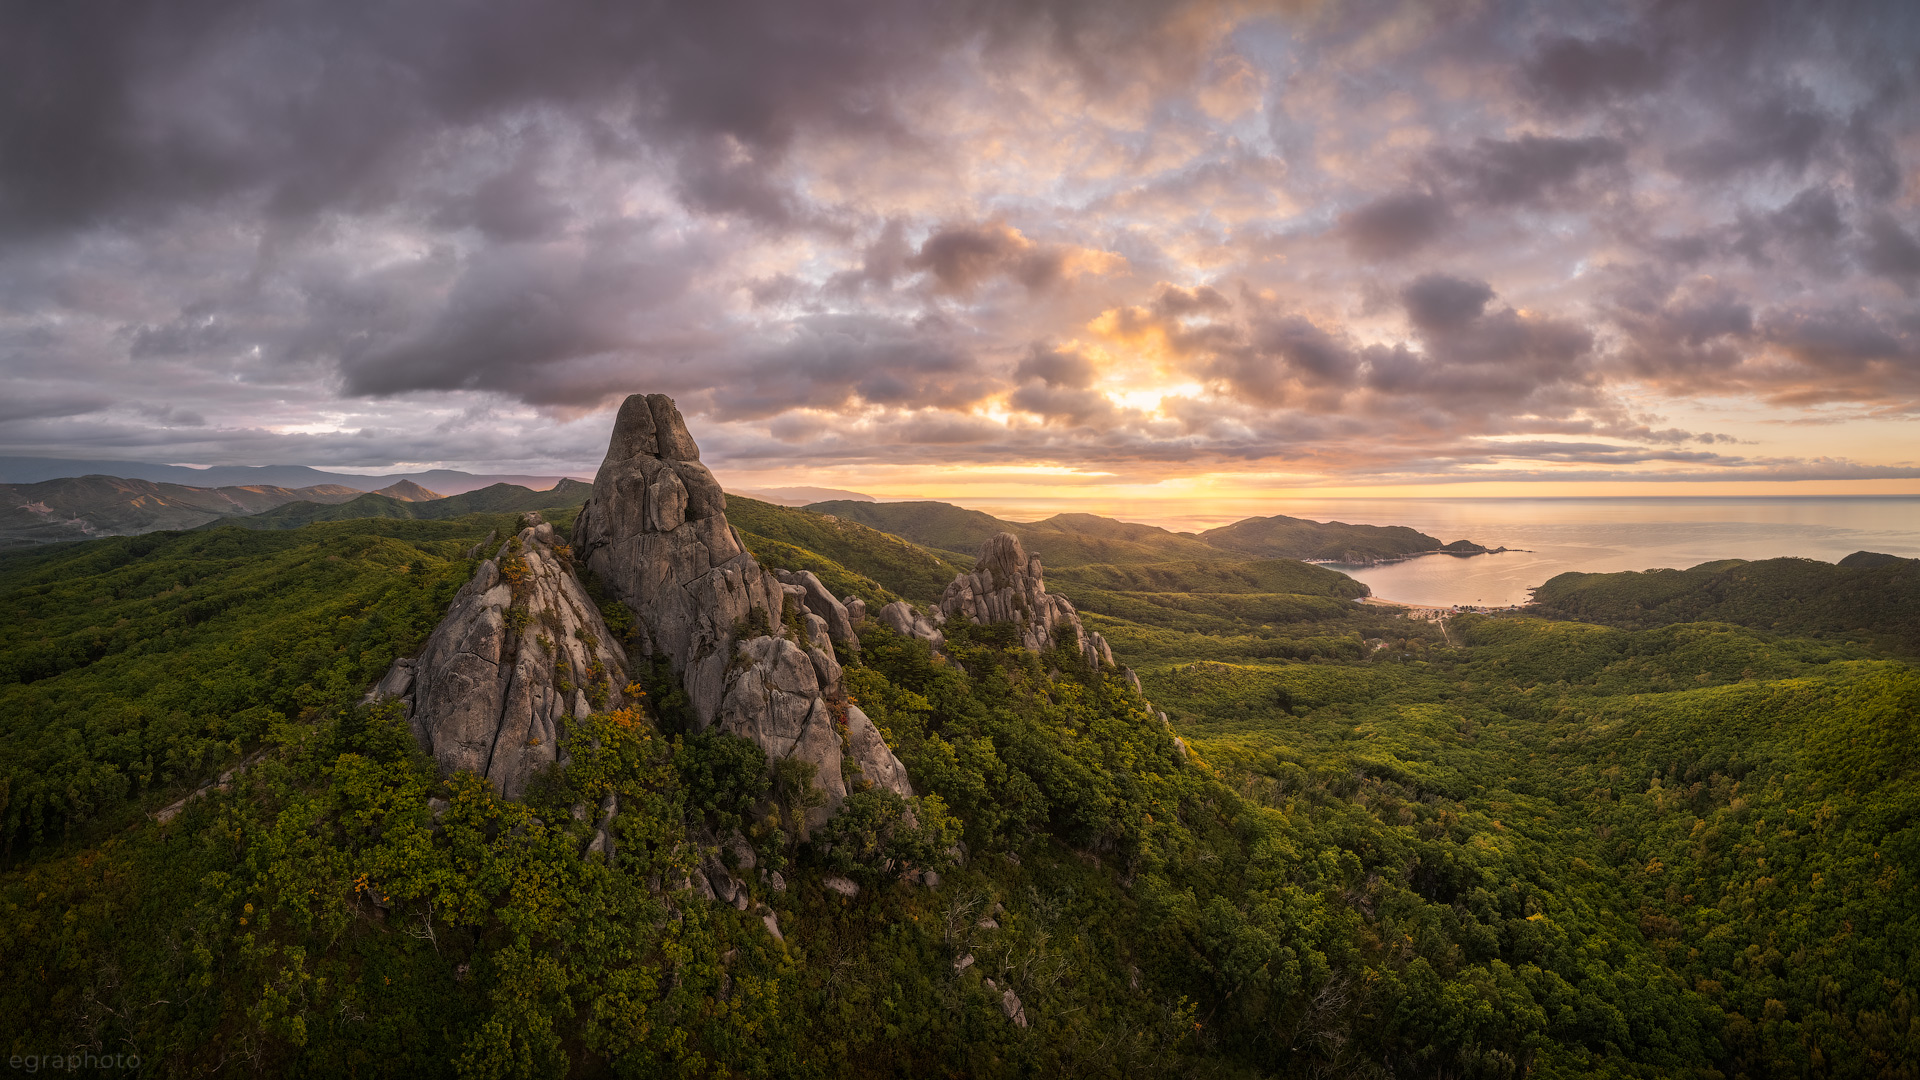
(1097, 252)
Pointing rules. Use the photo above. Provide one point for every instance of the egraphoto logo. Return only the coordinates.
(74, 1062)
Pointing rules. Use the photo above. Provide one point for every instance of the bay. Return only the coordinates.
(1604, 535)
(1598, 534)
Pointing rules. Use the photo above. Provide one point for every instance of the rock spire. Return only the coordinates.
(655, 532)
(1007, 586)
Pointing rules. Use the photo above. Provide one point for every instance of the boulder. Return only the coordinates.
(869, 751)
(520, 651)
(907, 622)
(1010, 1004)
(856, 610)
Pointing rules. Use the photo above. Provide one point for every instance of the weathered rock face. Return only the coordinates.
(907, 622)
(818, 601)
(520, 651)
(1007, 586)
(655, 532)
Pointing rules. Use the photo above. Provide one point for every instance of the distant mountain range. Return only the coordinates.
(77, 508)
(32, 470)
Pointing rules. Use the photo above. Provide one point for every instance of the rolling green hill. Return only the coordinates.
(1872, 600)
(1334, 541)
(495, 499)
(1069, 540)
(849, 557)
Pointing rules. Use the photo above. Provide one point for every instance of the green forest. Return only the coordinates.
(1660, 825)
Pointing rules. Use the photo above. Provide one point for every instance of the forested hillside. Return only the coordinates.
(1075, 539)
(1867, 598)
(1543, 849)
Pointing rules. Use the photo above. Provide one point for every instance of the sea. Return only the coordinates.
(1550, 536)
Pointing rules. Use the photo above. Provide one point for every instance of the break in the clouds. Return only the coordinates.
(1331, 243)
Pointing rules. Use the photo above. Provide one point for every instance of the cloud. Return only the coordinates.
(1890, 252)
(1058, 368)
(1526, 170)
(1393, 225)
(835, 230)
(1437, 302)
(1572, 72)
(963, 257)
(1782, 130)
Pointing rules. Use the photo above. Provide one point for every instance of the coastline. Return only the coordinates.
(1411, 555)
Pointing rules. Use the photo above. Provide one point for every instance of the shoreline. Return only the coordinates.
(1411, 555)
(1436, 611)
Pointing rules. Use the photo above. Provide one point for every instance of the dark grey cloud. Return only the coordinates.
(1394, 225)
(962, 257)
(1572, 72)
(1057, 368)
(1440, 302)
(1891, 252)
(1784, 130)
(1526, 170)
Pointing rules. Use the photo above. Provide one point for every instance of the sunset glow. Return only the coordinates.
(1201, 252)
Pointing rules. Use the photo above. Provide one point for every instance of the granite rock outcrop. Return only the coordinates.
(655, 533)
(521, 650)
(1007, 586)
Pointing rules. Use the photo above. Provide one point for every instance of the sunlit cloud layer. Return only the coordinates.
(916, 248)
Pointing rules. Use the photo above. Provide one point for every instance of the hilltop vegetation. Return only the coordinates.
(1334, 541)
(1874, 599)
(1525, 848)
(1070, 540)
(494, 499)
(883, 567)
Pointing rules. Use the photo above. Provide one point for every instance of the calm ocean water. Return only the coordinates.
(1596, 535)
(1586, 534)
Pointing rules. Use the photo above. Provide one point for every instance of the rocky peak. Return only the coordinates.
(521, 650)
(655, 532)
(1007, 586)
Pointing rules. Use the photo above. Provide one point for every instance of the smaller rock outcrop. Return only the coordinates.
(1007, 586)
(520, 651)
(907, 622)
(818, 601)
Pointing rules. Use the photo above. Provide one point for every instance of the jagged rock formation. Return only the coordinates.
(655, 532)
(817, 601)
(521, 649)
(1007, 586)
(907, 622)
